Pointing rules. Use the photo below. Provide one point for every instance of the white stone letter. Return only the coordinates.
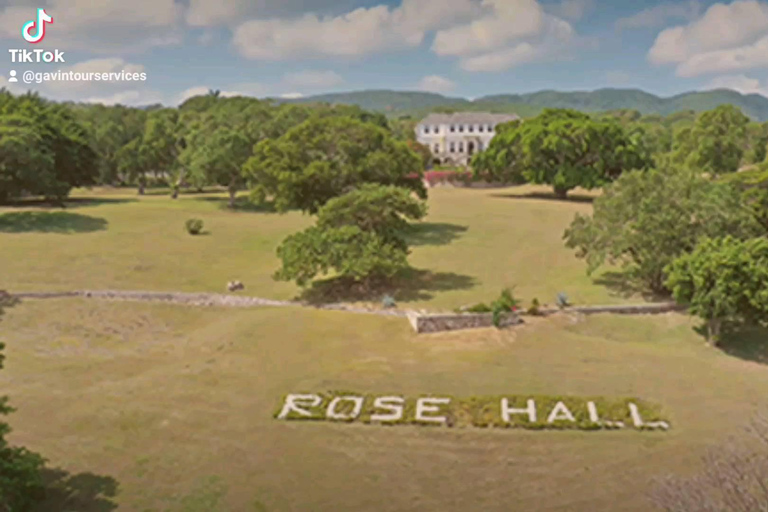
(507, 411)
(638, 421)
(424, 405)
(293, 404)
(394, 404)
(560, 412)
(592, 408)
(331, 414)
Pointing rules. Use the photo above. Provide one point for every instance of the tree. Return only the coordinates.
(220, 141)
(756, 148)
(21, 482)
(360, 235)
(644, 220)
(325, 157)
(562, 148)
(754, 187)
(383, 210)
(723, 279)
(348, 251)
(715, 144)
(57, 135)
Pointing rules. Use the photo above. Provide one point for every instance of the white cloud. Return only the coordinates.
(359, 32)
(727, 38)
(313, 79)
(436, 84)
(509, 34)
(735, 59)
(573, 10)
(740, 83)
(658, 15)
(292, 95)
(209, 13)
(106, 26)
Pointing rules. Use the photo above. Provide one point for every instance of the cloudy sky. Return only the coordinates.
(466, 48)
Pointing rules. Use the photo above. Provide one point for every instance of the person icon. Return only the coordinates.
(13, 78)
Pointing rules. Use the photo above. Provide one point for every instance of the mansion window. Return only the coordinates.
(461, 147)
(437, 148)
(490, 128)
(471, 128)
(452, 147)
(453, 128)
(426, 129)
(461, 128)
(480, 128)
(435, 129)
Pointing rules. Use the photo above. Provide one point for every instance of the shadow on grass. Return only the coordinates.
(410, 285)
(434, 233)
(242, 204)
(624, 284)
(84, 492)
(69, 203)
(50, 222)
(548, 196)
(747, 342)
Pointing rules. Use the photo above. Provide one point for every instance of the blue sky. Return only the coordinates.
(466, 48)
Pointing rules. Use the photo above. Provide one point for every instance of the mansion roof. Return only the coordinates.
(468, 118)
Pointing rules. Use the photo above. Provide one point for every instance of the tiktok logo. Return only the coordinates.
(42, 19)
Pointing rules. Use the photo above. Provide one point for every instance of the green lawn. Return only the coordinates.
(175, 404)
(473, 243)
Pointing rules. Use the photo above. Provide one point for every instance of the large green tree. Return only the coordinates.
(724, 279)
(327, 156)
(562, 148)
(219, 141)
(55, 134)
(644, 220)
(716, 142)
(359, 236)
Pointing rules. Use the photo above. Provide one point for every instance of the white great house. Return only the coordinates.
(454, 138)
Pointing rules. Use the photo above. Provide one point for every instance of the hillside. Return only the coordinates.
(419, 103)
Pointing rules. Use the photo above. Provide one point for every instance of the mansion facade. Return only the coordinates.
(454, 138)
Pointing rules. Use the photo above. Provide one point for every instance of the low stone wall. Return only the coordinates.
(457, 322)
(626, 309)
(424, 323)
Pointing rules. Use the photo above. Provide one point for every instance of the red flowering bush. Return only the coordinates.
(434, 177)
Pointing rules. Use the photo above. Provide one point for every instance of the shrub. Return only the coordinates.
(535, 308)
(435, 177)
(388, 302)
(194, 226)
(505, 303)
(479, 308)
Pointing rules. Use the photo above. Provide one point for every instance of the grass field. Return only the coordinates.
(175, 404)
(153, 407)
(473, 243)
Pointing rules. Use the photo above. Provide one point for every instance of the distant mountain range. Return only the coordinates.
(420, 103)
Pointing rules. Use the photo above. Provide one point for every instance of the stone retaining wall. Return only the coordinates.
(424, 323)
(457, 322)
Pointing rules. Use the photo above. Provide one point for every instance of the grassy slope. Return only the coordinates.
(476, 241)
(167, 399)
